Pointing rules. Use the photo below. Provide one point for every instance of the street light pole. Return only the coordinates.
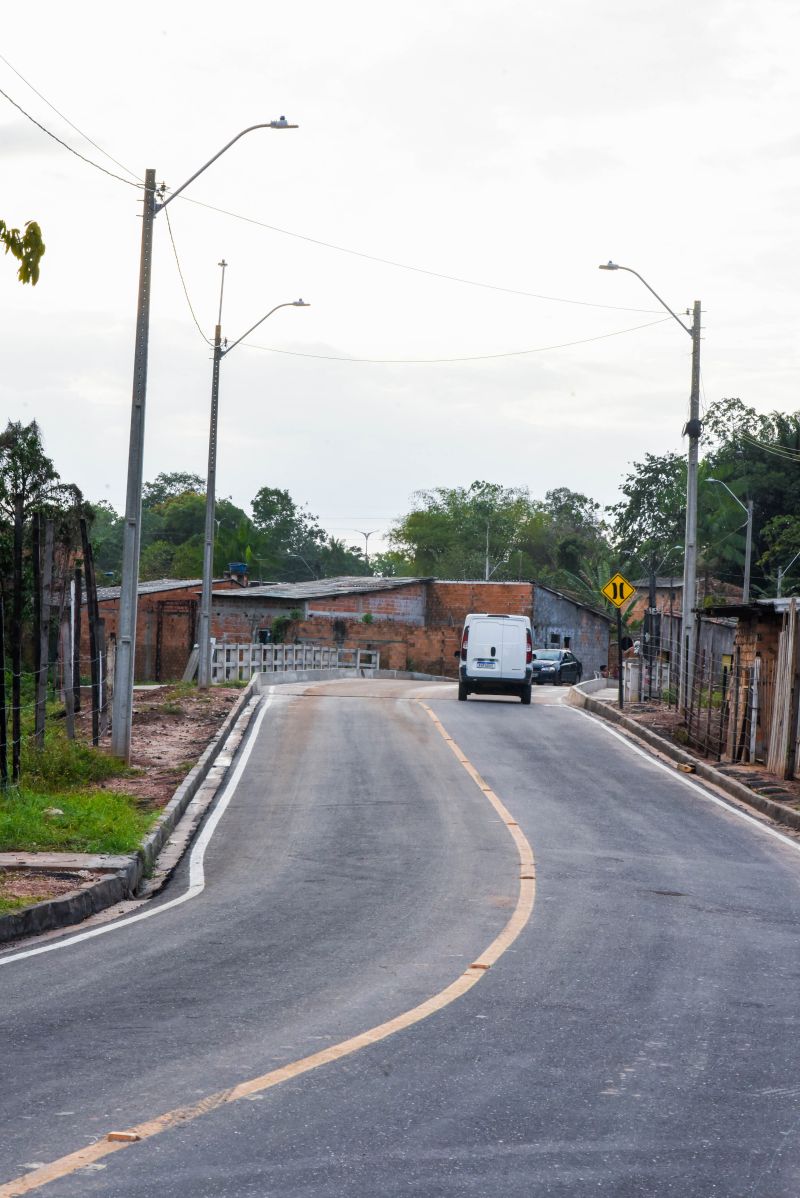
(366, 536)
(748, 549)
(122, 709)
(783, 572)
(692, 429)
(204, 637)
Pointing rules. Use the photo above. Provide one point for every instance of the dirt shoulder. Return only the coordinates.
(172, 726)
(668, 723)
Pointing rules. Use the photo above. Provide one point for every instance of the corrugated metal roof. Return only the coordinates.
(325, 588)
(149, 588)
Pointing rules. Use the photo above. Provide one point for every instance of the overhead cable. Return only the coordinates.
(66, 145)
(514, 353)
(420, 270)
(183, 281)
(71, 124)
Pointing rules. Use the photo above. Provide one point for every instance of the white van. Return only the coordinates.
(496, 654)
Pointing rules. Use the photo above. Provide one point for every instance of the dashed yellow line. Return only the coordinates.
(115, 1141)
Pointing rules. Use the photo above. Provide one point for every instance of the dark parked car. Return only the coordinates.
(556, 666)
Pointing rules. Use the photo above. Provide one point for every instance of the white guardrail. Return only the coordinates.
(238, 663)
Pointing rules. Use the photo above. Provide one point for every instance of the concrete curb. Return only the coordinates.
(737, 790)
(123, 883)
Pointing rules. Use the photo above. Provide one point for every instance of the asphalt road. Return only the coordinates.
(639, 1036)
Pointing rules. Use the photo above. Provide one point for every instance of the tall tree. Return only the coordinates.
(28, 482)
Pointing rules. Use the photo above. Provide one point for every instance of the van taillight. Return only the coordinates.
(528, 648)
(464, 640)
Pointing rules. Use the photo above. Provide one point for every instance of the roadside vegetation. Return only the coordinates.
(60, 804)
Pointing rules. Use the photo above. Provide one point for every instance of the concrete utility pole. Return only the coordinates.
(122, 711)
(692, 429)
(204, 639)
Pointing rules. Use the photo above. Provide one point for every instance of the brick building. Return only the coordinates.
(166, 625)
(415, 623)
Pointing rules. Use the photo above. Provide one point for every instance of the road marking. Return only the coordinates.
(88, 1157)
(197, 879)
(686, 779)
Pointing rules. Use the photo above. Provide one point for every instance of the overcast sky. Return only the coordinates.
(512, 145)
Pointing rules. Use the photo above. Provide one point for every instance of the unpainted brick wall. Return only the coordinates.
(178, 632)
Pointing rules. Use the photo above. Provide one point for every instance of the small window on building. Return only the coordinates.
(555, 639)
(567, 640)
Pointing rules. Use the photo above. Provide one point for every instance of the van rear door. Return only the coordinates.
(512, 663)
(484, 647)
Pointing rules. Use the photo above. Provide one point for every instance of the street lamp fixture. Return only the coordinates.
(122, 717)
(748, 551)
(783, 572)
(692, 429)
(220, 352)
(366, 536)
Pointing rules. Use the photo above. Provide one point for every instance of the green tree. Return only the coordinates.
(285, 535)
(652, 516)
(106, 529)
(335, 558)
(28, 249)
(170, 486)
(29, 483)
(448, 530)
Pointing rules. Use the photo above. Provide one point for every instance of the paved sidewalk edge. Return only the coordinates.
(123, 883)
(737, 790)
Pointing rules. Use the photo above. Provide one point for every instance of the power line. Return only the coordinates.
(72, 125)
(183, 281)
(779, 451)
(514, 353)
(434, 274)
(66, 146)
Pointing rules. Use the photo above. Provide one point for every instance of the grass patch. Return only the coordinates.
(93, 821)
(63, 763)
(15, 904)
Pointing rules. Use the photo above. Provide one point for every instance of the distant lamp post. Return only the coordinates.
(220, 352)
(122, 717)
(300, 558)
(693, 429)
(748, 551)
(783, 572)
(366, 536)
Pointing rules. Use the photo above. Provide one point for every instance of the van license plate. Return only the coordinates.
(483, 664)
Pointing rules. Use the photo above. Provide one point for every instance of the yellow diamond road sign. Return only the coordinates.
(618, 590)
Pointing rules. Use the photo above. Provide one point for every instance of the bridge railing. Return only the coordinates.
(238, 663)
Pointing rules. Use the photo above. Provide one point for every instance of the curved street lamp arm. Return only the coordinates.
(289, 304)
(720, 483)
(281, 124)
(631, 271)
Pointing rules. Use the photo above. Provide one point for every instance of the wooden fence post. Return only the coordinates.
(794, 707)
(43, 653)
(3, 725)
(65, 642)
(94, 618)
(77, 609)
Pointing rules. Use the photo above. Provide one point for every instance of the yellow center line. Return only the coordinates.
(74, 1161)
